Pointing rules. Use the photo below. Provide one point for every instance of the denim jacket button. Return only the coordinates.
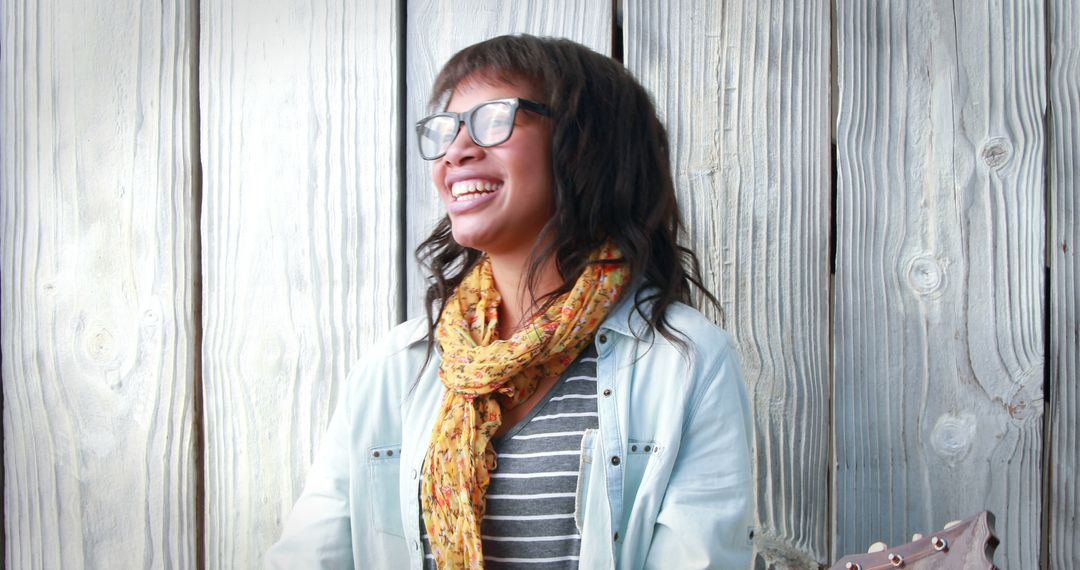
(607, 391)
(603, 338)
(615, 460)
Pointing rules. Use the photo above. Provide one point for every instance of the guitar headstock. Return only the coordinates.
(968, 545)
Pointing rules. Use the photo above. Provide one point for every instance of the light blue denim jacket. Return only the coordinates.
(664, 483)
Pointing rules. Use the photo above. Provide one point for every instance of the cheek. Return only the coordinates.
(438, 173)
(543, 197)
(537, 160)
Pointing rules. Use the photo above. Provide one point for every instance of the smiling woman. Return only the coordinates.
(561, 405)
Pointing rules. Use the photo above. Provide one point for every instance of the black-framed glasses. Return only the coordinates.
(489, 124)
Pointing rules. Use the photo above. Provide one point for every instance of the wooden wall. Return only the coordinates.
(208, 210)
(299, 107)
(99, 222)
(1063, 463)
(940, 284)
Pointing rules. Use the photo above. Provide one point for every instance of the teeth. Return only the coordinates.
(461, 189)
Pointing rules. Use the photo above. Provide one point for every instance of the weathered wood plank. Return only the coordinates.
(939, 270)
(744, 91)
(436, 30)
(99, 273)
(300, 125)
(1064, 552)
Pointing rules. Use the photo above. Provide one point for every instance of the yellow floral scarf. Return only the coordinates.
(483, 375)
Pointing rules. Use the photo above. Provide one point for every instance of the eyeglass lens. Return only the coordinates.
(489, 124)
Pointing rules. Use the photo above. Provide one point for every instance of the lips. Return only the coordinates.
(471, 189)
(470, 193)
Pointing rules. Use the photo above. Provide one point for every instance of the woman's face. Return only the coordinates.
(498, 198)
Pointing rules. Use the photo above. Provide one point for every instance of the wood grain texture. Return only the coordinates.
(301, 241)
(1064, 492)
(98, 267)
(743, 89)
(435, 31)
(940, 289)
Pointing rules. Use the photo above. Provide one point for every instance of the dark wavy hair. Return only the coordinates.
(611, 170)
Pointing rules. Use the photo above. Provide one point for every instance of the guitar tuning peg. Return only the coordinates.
(951, 524)
(896, 560)
(852, 566)
(916, 536)
(939, 543)
(877, 547)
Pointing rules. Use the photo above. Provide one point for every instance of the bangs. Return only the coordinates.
(505, 59)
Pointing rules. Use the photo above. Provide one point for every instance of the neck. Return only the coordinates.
(511, 275)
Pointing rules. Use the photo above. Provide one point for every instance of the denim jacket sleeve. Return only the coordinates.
(706, 512)
(349, 514)
(317, 533)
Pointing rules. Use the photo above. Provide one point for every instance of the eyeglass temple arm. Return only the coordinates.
(535, 107)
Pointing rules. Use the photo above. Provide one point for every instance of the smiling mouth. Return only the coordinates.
(466, 190)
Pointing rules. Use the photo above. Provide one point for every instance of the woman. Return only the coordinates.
(559, 406)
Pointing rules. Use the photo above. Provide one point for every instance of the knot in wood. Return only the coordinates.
(953, 435)
(1026, 403)
(150, 317)
(996, 151)
(100, 345)
(926, 275)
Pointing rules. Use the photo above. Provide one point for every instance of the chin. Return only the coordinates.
(468, 240)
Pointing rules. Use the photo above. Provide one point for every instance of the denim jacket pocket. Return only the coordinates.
(638, 454)
(384, 463)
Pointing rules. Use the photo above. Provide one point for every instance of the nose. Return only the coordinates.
(462, 148)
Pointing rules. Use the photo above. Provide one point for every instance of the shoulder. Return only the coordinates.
(396, 342)
(393, 360)
(697, 329)
(714, 377)
(405, 335)
(699, 355)
(702, 341)
(708, 349)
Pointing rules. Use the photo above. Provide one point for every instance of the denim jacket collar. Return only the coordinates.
(623, 319)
